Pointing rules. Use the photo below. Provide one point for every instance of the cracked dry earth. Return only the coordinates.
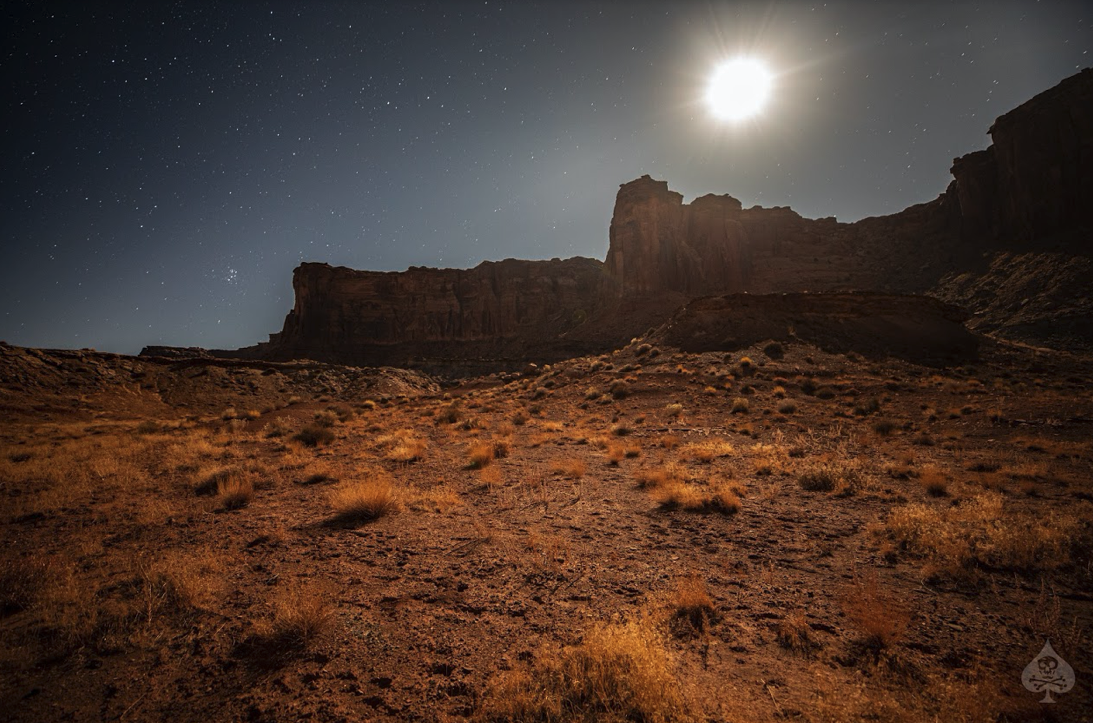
(801, 537)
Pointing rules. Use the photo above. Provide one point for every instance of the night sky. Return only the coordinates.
(167, 164)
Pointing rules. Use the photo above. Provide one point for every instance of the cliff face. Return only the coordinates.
(1029, 192)
(1035, 180)
(712, 245)
(342, 314)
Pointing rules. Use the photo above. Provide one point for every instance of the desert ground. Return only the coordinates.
(775, 533)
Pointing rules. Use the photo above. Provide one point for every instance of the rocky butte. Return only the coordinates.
(1007, 240)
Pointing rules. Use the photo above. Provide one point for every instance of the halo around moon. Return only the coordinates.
(739, 89)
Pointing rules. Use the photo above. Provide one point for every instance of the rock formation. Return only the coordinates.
(496, 309)
(1035, 180)
(1027, 194)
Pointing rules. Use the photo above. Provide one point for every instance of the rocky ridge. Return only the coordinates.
(1024, 196)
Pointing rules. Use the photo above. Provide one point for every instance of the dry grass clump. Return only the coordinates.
(669, 441)
(479, 454)
(878, 614)
(884, 427)
(278, 427)
(787, 407)
(674, 410)
(363, 500)
(934, 481)
(234, 490)
(619, 672)
(794, 633)
(442, 498)
(301, 614)
(740, 405)
(570, 469)
(828, 474)
(402, 446)
(984, 532)
(314, 435)
(692, 605)
(708, 450)
(616, 453)
(660, 476)
(491, 478)
(620, 390)
(719, 497)
(224, 478)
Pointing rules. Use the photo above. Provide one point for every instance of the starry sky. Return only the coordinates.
(167, 164)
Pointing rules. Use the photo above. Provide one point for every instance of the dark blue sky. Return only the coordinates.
(167, 164)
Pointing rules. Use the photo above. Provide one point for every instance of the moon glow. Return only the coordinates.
(739, 89)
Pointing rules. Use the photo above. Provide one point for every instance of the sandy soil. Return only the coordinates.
(906, 539)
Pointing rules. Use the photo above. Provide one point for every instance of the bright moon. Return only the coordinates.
(739, 89)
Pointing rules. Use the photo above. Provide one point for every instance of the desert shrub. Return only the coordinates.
(669, 441)
(450, 414)
(314, 435)
(279, 427)
(620, 390)
(740, 405)
(983, 533)
(479, 454)
(211, 484)
(674, 410)
(774, 350)
(404, 447)
(676, 494)
(363, 500)
(831, 475)
(787, 407)
(794, 633)
(779, 392)
(879, 615)
(570, 469)
(691, 605)
(884, 427)
(870, 406)
(234, 490)
(592, 393)
(652, 478)
(619, 672)
(708, 450)
(934, 481)
(808, 386)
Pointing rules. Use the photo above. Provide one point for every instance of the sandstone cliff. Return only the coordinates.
(1026, 195)
(496, 309)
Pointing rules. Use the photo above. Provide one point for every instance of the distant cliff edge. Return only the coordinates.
(1008, 240)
